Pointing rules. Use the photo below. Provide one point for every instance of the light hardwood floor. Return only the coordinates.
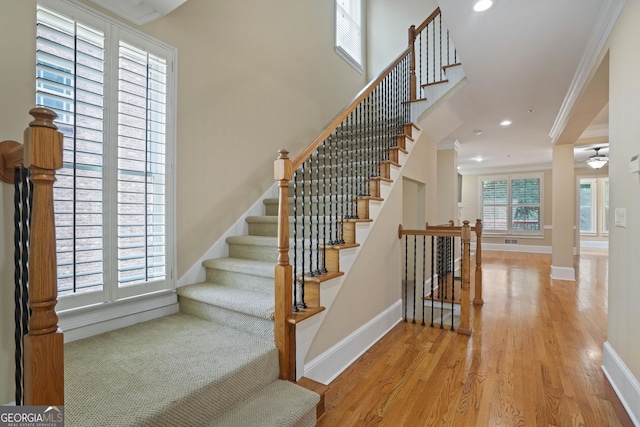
(533, 360)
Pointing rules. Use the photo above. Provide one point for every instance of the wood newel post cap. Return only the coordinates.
(282, 167)
(400, 231)
(478, 226)
(412, 37)
(466, 230)
(43, 117)
(42, 141)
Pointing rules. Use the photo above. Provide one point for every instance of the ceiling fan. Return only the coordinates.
(597, 160)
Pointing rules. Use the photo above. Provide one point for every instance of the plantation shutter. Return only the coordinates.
(525, 204)
(70, 81)
(348, 28)
(495, 205)
(142, 98)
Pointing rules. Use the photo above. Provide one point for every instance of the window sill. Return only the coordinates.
(357, 66)
(99, 318)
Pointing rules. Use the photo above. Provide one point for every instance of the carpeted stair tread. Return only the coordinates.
(265, 408)
(255, 304)
(269, 241)
(175, 370)
(244, 266)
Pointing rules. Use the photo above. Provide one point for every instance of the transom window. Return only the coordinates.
(511, 204)
(113, 90)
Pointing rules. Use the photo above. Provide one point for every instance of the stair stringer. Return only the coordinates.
(436, 94)
(307, 330)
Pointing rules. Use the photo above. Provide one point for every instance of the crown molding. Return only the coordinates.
(449, 144)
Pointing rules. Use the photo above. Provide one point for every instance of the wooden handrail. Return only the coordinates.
(339, 118)
(43, 359)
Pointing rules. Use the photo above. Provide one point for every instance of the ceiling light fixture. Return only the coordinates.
(597, 160)
(477, 132)
(505, 123)
(482, 5)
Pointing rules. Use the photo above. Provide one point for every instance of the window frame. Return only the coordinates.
(357, 63)
(509, 205)
(148, 294)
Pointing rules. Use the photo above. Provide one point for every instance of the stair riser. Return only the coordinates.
(271, 230)
(271, 208)
(261, 328)
(265, 253)
(240, 280)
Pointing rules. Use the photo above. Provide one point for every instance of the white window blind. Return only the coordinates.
(511, 204)
(111, 90)
(349, 29)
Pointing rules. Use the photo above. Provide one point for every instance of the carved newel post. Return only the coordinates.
(285, 333)
(44, 344)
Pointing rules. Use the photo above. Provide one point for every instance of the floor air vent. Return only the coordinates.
(510, 241)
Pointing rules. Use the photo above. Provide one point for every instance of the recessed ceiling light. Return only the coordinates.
(478, 159)
(531, 110)
(505, 123)
(477, 132)
(482, 5)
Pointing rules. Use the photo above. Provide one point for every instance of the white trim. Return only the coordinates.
(563, 273)
(327, 366)
(449, 144)
(196, 273)
(604, 244)
(10, 403)
(97, 319)
(623, 382)
(501, 247)
(607, 17)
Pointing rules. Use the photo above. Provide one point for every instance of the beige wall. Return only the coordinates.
(563, 209)
(17, 86)
(624, 137)
(447, 186)
(388, 29)
(247, 86)
(470, 208)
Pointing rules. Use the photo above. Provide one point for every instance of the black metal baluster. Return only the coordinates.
(440, 42)
(311, 250)
(419, 73)
(17, 179)
(324, 206)
(295, 241)
(406, 273)
(415, 277)
(433, 26)
(441, 278)
(453, 281)
(318, 268)
(424, 274)
(333, 190)
(432, 275)
(341, 181)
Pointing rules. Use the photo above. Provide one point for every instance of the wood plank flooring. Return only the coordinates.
(533, 360)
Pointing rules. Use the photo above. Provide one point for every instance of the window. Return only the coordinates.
(511, 205)
(112, 89)
(605, 206)
(349, 31)
(588, 200)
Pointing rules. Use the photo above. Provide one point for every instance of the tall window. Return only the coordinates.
(349, 31)
(511, 204)
(588, 202)
(605, 206)
(112, 90)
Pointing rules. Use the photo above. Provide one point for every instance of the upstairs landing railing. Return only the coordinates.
(325, 190)
(431, 259)
(39, 343)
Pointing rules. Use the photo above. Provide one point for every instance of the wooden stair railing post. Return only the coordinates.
(285, 334)
(477, 299)
(44, 344)
(413, 90)
(465, 308)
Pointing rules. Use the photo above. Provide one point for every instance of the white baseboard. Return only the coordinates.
(563, 273)
(535, 249)
(623, 382)
(327, 366)
(604, 244)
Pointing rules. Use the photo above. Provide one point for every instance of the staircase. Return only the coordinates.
(216, 363)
